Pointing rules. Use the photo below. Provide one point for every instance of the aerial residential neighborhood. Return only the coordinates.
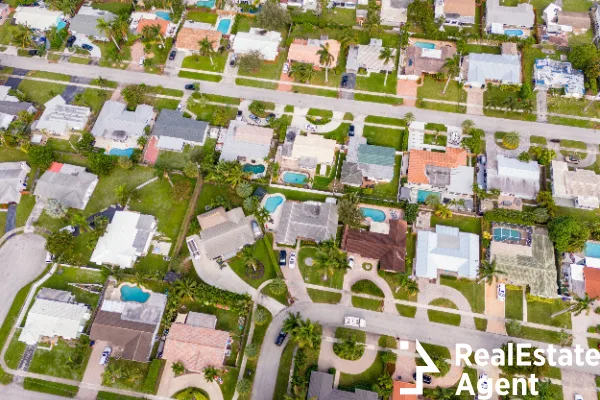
(299, 199)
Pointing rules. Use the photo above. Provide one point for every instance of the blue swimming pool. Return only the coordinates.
(255, 169)
(423, 194)
(60, 25)
(592, 249)
(504, 234)
(206, 3)
(133, 293)
(223, 26)
(513, 32)
(294, 177)
(272, 203)
(121, 152)
(163, 15)
(425, 45)
(373, 213)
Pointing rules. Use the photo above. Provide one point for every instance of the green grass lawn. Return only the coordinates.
(75, 275)
(378, 99)
(102, 395)
(113, 7)
(79, 60)
(200, 16)
(151, 265)
(134, 381)
(200, 76)
(406, 311)
(41, 92)
(387, 341)
(481, 324)
(538, 140)
(203, 63)
(268, 70)
(15, 351)
(24, 208)
(346, 333)
(206, 113)
(320, 113)
(282, 298)
(444, 317)
(575, 144)
(178, 160)
(539, 335)
(465, 224)
(315, 91)
(387, 137)
(313, 275)
(340, 134)
(375, 83)
(256, 84)
(285, 364)
(93, 98)
(434, 349)
(340, 15)
(366, 286)
(374, 119)
(514, 304)
(55, 362)
(367, 304)
(475, 48)
(59, 389)
(261, 252)
(432, 89)
(322, 296)
(392, 280)
(474, 293)
(49, 75)
(390, 189)
(222, 99)
(12, 154)
(540, 311)
(365, 379)
(210, 192)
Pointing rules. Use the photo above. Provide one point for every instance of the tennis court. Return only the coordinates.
(503, 234)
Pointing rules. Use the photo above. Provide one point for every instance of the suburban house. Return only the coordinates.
(127, 237)
(50, 319)
(306, 5)
(366, 164)
(4, 12)
(579, 188)
(461, 11)
(320, 387)
(129, 327)
(552, 74)
(193, 33)
(13, 180)
(398, 385)
(305, 51)
(38, 18)
(10, 107)
(394, 12)
(246, 142)
(197, 347)
(367, 57)
(224, 233)
(117, 125)
(420, 61)
(85, 22)
(61, 119)
(592, 281)
(265, 42)
(500, 17)
(447, 251)
(513, 177)
(386, 245)
(306, 152)
(174, 131)
(70, 184)
(445, 175)
(526, 258)
(309, 220)
(495, 68)
(558, 21)
(139, 20)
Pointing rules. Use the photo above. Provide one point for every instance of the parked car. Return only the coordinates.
(483, 378)
(232, 61)
(310, 127)
(280, 338)
(142, 59)
(179, 106)
(49, 257)
(578, 397)
(172, 55)
(345, 81)
(286, 68)
(68, 228)
(190, 86)
(292, 262)
(71, 40)
(282, 258)
(105, 355)
(351, 262)
(256, 229)
(572, 159)
(270, 117)
(87, 47)
(501, 292)
(355, 322)
(239, 115)
(351, 130)
(254, 118)
(555, 140)
(32, 52)
(426, 378)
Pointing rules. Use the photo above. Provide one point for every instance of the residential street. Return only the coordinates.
(301, 100)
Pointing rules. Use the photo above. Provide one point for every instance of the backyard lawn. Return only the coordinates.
(263, 253)
(390, 189)
(199, 16)
(540, 311)
(465, 224)
(315, 276)
(176, 159)
(474, 293)
(76, 275)
(387, 137)
(211, 192)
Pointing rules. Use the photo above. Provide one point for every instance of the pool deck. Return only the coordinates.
(524, 233)
(387, 210)
(273, 222)
(438, 43)
(114, 292)
(306, 173)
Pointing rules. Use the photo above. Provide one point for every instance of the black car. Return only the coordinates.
(345, 81)
(351, 130)
(282, 258)
(232, 61)
(426, 378)
(87, 47)
(190, 86)
(280, 338)
(70, 41)
(172, 55)
(555, 140)
(32, 52)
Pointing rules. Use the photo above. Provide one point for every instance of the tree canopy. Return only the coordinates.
(568, 233)
(272, 17)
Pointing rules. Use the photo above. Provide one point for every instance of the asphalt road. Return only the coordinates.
(302, 100)
(377, 323)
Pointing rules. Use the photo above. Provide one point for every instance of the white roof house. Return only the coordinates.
(127, 237)
(368, 57)
(483, 68)
(13, 179)
(581, 186)
(514, 177)
(394, 12)
(48, 318)
(60, 118)
(4, 96)
(447, 250)
(522, 15)
(70, 184)
(549, 73)
(308, 151)
(265, 42)
(116, 123)
(246, 141)
(39, 18)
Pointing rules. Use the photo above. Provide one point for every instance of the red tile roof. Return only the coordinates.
(151, 22)
(55, 167)
(419, 159)
(592, 281)
(389, 249)
(402, 385)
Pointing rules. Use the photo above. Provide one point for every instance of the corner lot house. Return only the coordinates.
(494, 68)
(447, 251)
(10, 107)
(246, 142)
(13, 180)
(461, 11)
(579, 188)
(174, 131)
(85, 22)
(310, 220)
(129, 327)
(421, 61)
(60, 118)
(194, 32)
(70, 184)
(306, 152)
(499, 18)
(38, 18)
(320, 387)
(513, 177)
(115, 125)
(305, 51)
(366, 164)
(387, 248)
(51, 319)
(127, 237)
(552, 74)
(265, 42)
(367, 57)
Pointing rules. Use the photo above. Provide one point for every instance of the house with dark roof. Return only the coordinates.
(70, 184)
(174, 131)
(320, 387)
(10, 109)
(308, 220)
(387, 248)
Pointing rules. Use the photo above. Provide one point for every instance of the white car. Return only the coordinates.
(292, 260)
(355, 322)
(483, 378)
(286, 68)
(49, 257)
(501, 292)
(578, 397)
(105, 355)
(142, 61)
(351, 262)
(310, 127)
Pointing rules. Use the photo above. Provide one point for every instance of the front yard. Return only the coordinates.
(263, 253)
(315, 276)
(61, 361)
(387, 137)
(434, 89)
(540, 311)
(204, 63)
(474, 292)
(375, 83)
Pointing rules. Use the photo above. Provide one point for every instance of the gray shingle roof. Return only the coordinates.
(115, 122)
(309, 220)
(171, 123)
(86, 24)
(521, 15)
(494, 67)
(351, 174)
(69, 188)
(13, 108)
(321, 388)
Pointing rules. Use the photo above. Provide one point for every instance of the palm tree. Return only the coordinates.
(206, 49)
(581, 304)
(23, 36)
(278, 286)
(120, 26)
(511, 140)
(325, 57)
(77, 219)
(488, 271)
(467, 125)
(409, 285)
(348, 38)
(235, 174)
(107, 28)
(349, 348)
(178, 368)
(386, 55)
(185, 289)
(291, 323)
(262, 215)
(243, 386)
(306, 334)
(452, 68)
(248, 258)
(510, 103)
(432, 200)
(409, 118)
(211, 373)
(442, 211)
(302, 72)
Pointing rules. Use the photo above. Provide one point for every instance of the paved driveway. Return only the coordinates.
(351, 84)
(71, 91)
(22, 259)
(578, 383)
(494, 308)
(93, 372)
(11, 217)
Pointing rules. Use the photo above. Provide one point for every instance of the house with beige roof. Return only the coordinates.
(305, 51)
(368, 57)
(461, 11)
(578, 188)
(193, 32)
(245, 142)
(305, 152)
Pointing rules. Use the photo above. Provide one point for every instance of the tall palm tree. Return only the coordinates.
(467, 125)
(77, 219)
(511, 140)
(510, 103)
(409, 118)
(325, 58)
(306, 334)
(120, 26)
(488, 271)
(348, 38)
(178, 368)
(302, 72)
(235, 174)
(23, 36)
(206, 49)
(443, 211)
(107, 28)
(211, 373)
(248, 258)
(386, 55)
(452, 68)
(185, 289)
(291, 322)
(408, 284)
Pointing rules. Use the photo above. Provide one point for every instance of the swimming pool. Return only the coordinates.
(206, 3)
(423, 194)
(294, 177)
(502, 234)
(223, 26)
(134, 293)
(513, 32)
(373, 213)
(425, 45)
(272, 203)
(592, 249)
(255, 169)
(163, 15)
(121, 152)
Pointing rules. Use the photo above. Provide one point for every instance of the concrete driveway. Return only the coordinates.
(22, 259)
(11, 217)
(93, 372)
(578, 383)
(169, 384)
(83, 39)
(494, 308)
(351, 84)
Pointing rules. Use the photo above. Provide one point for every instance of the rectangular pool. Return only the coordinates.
(223, 26)
(502, 234)
(423, 194)
(425, 45)
(592, 249)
